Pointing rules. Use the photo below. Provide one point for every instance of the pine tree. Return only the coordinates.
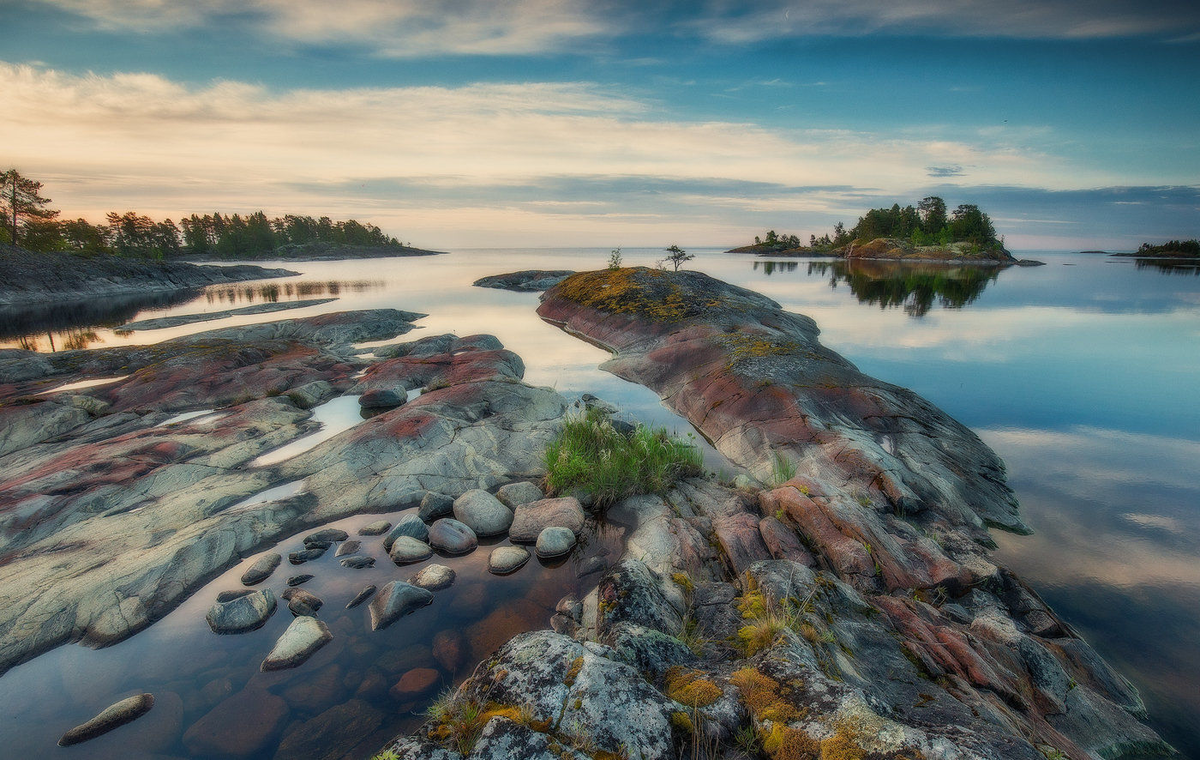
(20, 201)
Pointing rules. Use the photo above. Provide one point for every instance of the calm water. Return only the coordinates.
(1082, 374)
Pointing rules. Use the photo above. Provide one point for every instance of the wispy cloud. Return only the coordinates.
(944, 171)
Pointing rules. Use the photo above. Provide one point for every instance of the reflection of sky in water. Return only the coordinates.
(1082, 374)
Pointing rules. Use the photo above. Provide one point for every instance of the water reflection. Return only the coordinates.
(771, 267)
(272, 292)
(915, 287)
(1168, 266)
(71, 325)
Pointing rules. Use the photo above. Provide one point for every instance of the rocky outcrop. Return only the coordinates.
(527, 280)
(31, 278)
(109, 519)
(899, 249)
(178, 320)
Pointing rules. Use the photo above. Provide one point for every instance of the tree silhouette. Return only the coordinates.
(20, 200)
(676, 256)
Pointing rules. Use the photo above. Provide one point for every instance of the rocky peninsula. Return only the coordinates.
(839, 601)
(35, 278)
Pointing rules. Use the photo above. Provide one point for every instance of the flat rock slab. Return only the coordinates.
(507, 559)
(394, 601)
(325, 537)
(361, 596)
(525, 281)
(482, 513)
(241, 612)
(357, 562)
(555, 542)
(296, 580)
(299, 642)
(114, 716)
(415, 683)
(377, 528)
(349, 547)
(532, 518)
(261, 569)
(433, 577)
(512, 495)
(306, 555)
(452, 537)
(407, 550)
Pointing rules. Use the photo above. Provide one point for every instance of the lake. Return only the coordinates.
(1082, 374)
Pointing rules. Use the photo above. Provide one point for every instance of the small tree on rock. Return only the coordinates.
(21, 201)
(676, 256)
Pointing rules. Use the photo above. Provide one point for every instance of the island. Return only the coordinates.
(925, 232)
(1172, 249)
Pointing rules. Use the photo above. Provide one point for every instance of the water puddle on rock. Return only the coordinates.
(191, 416)
(81, 384)
(335, 416)
(213, 701)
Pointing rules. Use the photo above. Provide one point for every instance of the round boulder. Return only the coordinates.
(555, 542)
(382, 398)
(482, 513)
(407, 550)
(409, 525)
(433, 577)
(452, 537)
(261, 569)
(512, 495)
(415, 683)
(507, 559)
(239, 612)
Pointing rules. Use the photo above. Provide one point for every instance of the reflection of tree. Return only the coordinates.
(913, 286)
(771, 267)
(287, 291)
(1169, 266)
(63, 324)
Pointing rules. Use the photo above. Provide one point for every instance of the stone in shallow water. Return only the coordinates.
(357, 562)
(409, 525)
(241, 611)
(433, 577)
(114, 716)
(350, 547)
(302, 603)
(305, 555)
(507, 559)
(513, 495)
(555, 542)
(407, 550)
(482, 513)
(377, 528)
(296, 580)
(415, 683)
(394, 601)
(241, 725)
(435, 505)
(261, 569)
(532, 518)
(452, 537)
(351, 720)
(325, 537)
(382, 398)
(449, 648)
(301, 639)
(361, 596)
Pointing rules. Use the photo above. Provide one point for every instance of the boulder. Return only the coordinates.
(406, 550)
(302, 638)
(533, 517)
(357, 562)
(114, 716)
(507, 559)
(239, 612)
(409, 525)
(296, 580)
(325, 537)
(306, 555)
(240, 726)
(452, 537)
(513, 495)
(377, 528)
(433, 577)
(435, 505)
(555, 542)
(361, 596)
(261, 569)
(382, 398)
(415, 684)
(482, 513)
(394, 601)
(302, 603)
(349, 547)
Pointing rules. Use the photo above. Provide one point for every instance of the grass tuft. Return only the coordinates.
(592, 456)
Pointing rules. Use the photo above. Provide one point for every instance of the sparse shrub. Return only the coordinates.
(593, 457)
(782, 469)
(614, 259)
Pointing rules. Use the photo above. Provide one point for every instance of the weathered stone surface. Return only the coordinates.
(301, 602)
(452, 537)
(296, 580)
(362, 596)
(302, 638)
(382, 398)
(433, 577)
(114, 716)
(528, 280)
(532, 517)
(406, 550)
(300, 556)
(261, 569)
(482, 513)
(783, 543)
(409, 525)
(506, 559)
(325, 537)
(394, 601)
(513, 495)
(377, 528)
(241, 726)
(449, 650)
(435, 505)
(349, 547)
(244, 612)
(555, 542)
(357, 562)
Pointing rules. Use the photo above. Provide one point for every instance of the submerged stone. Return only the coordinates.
(394, 601)
(301, 639)
(116, 715)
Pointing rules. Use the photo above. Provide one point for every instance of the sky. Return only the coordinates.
(481, 123)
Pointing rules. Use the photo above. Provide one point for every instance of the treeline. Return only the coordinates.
(30, 223)
(1171, 248)
(927, 223)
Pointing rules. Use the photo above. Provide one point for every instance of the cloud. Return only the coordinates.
(944, 171)
(394, 153)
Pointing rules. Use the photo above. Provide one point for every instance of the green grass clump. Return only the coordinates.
(591, 456)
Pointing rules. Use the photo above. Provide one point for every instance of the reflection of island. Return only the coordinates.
(771, 267)
(913, 286)
(1171, 266)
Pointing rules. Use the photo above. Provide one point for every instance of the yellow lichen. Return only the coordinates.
(636, 290)
(785, 743)
(682, 721)
(684, 581)
(573, 671)
(689, 687)
(841, 746)
(766, 698)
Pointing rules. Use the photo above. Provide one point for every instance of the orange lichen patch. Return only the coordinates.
(689, 687)
(573, 671)
(741, 347)
(841, 746)
(766, 698)
(522, 715)
(784, 743)
(637, 290)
